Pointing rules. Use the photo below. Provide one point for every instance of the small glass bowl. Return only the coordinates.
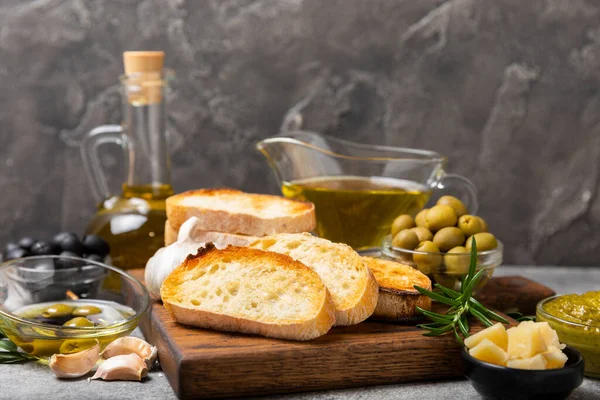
(32, 280)
(447, 269)
(585, 338)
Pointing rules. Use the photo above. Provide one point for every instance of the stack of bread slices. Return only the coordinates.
(268, 276)
(231, 217)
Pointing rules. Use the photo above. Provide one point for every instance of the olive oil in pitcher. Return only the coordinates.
(133, 222)
(357, 210)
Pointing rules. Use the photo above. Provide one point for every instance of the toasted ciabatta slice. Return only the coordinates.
(397, 296)
(247, 290)
(352, 286)
(232, 211)
(220, 239)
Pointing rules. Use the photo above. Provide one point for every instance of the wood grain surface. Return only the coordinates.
(207, 364)
(511, 292)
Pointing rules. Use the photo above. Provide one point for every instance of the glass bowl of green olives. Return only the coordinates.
(437, 242)
(62, 304)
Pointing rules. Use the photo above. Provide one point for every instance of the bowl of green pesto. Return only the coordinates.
(576, 319)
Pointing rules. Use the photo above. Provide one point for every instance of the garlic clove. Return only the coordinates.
(166, 259)
(128, 367)
(75, 365)
(132, 345)
(186, 229)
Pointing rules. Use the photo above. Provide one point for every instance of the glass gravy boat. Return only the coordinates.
(358, 190)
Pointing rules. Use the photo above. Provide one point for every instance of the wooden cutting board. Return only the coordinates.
(206, 364)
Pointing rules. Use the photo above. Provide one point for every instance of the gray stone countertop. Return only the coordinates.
(35, 381)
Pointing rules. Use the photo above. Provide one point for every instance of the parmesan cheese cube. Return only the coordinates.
(495, 333)
(550, 336)
(489, 352)
(555, 358)
(525, 341)
(536, 362)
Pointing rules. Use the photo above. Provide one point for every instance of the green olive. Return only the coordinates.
(440, 216)
(448, 237)
(455, 203)
(427, 263)
(470, 224)
(420, 218)
(485, 225)
(57, 311)
(70, 346)
(484, 240)
(78, 322)
(423, 233)
(406, 239)
(457, 261)
(451, 282)
(84, 311)
(402, 222)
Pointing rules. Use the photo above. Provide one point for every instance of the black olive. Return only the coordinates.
(11, 246)
(72, 244)
(44, 264)
(14, 254)
(95, 257)
(94, 244)
(26, 243)
(42, 249)
(60, 236)
(63, 263)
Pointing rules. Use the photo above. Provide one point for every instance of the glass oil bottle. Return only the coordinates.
(133, 222)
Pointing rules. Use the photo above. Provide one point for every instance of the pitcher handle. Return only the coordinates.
(104, 134)
(468, 193)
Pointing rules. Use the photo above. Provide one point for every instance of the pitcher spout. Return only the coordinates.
(299, 155)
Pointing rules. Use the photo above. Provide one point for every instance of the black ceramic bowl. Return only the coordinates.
(496, 382)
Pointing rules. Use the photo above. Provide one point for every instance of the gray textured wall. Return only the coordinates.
(508, 89)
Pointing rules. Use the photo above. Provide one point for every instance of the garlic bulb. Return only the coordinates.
(131, 345)
(76, 364)
(166, 259)
(128, 367)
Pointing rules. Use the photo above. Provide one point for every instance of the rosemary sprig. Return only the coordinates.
(10, 354)
(519, 317)
(461, 305)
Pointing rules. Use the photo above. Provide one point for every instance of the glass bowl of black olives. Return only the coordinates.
(437, 242)
(54, 304)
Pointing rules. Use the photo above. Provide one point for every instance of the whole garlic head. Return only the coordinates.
(166, 259)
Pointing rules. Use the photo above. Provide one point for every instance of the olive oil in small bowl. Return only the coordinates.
(54, 304)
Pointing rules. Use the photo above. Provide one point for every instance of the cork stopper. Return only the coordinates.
(143, 61)
(143, 73)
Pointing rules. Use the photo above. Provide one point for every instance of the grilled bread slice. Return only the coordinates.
(233, 211)
(352, 286)
(219, 239)
(397, 296)
(247, 290)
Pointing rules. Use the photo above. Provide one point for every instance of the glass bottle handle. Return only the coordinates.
(468, 190)
(104, 134)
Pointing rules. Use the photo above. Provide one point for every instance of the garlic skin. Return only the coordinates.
(166, 259)
(76, 364)
(127, 367)
(132, 345)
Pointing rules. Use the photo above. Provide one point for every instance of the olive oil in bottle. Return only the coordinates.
(133, 222)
